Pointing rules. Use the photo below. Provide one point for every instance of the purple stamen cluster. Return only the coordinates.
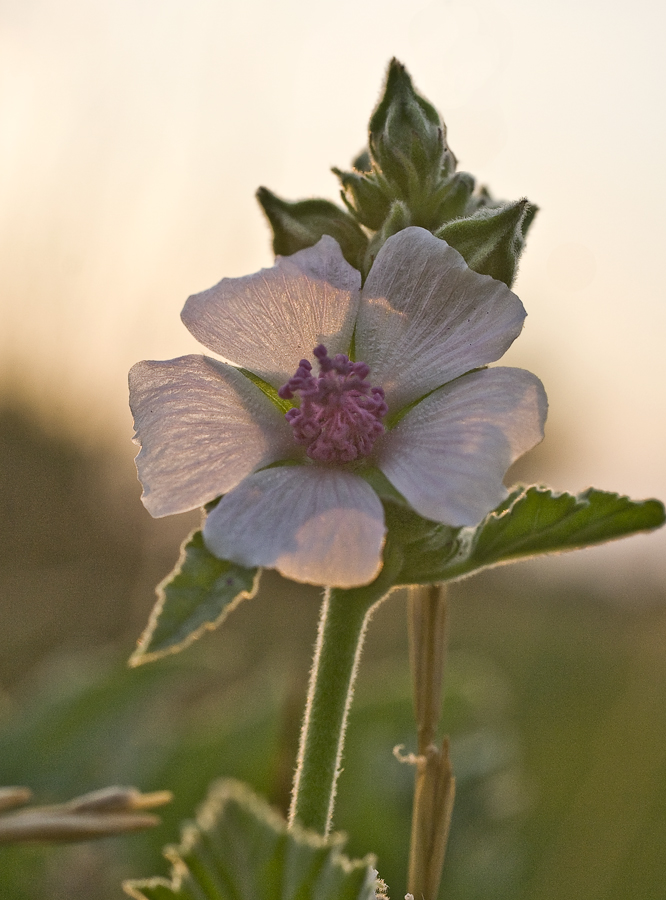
(339, 418)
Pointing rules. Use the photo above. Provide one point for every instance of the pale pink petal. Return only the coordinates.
(425, 317)
(449, 454)
(317, 525)
(268, 321)
(202, 427)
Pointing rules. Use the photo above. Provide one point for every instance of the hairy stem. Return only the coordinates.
(342, 627)
(343, 621)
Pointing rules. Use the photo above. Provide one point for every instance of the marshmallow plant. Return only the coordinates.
(350, 432)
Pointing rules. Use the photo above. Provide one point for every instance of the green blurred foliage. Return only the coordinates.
(240, 848)
(555, 701)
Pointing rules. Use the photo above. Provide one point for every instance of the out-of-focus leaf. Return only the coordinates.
(196, 597)
(240, 849)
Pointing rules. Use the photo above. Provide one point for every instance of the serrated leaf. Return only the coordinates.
(241, 849)
(530, 522)
(196, 597)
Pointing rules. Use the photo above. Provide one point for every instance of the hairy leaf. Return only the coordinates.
(531, 522)
(196, 597)
(240, 849)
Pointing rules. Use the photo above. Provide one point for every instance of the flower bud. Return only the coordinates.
(300, 225)
(363, 195)
(363, 163)
(398, 218)
(407, 136)
(455, 197)
(492, 239)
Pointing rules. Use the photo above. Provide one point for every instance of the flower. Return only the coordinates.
(417, 404)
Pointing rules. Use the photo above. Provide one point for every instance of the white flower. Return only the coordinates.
(424, 325)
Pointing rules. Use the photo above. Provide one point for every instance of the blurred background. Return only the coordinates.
(133, 135)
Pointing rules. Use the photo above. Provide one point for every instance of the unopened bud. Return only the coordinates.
(407, 136)
(363, 196)
(492, 239)
(399, 217)
(455, 197)
(301, 224)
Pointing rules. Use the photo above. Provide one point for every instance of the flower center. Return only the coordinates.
(339, 418)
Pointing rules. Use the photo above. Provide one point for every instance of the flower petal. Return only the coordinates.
(202, 427)
(269, 321)
(449, 454)
(426, 318)
(318, 525)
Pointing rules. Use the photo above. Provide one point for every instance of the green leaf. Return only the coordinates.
(196, 597)
(240, 849)
(531, 522)
(301, 224)
(492, 239)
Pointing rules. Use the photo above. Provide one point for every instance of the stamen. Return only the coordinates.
(339, 418)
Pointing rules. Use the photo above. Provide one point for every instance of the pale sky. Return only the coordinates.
(133, 134)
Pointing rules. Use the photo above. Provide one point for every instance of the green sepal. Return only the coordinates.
(382, 486)
(454, 199)
(407, 136)
(532, 521)
(301, 224)
(426, 545)
(398, 218)
(365, 197)
(409, 529)
(530, 214)
(268, 390)
(483, 199)
(388, 578)
(492, 239)
(196, 597)
(239, 848)
(362, 162)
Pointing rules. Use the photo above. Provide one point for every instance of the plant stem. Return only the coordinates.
(434, 786)
(427, 623)
(342, 626)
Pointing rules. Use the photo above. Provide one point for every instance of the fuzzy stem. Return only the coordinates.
(342, 626)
